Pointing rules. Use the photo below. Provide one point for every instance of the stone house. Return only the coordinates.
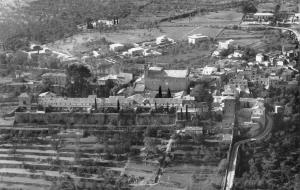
(242, 84)
(175, 80)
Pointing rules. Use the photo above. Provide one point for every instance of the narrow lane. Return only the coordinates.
(233, 155)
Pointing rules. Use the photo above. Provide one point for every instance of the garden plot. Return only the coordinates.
(139, 168)
(192, 177)
(243, 38)
(210, 24)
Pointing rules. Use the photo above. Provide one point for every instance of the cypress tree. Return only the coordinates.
(186, 112)
(118, 105)
(188, 90)
(181, 114)
(169, 93)
(159, 92)
(96, 108)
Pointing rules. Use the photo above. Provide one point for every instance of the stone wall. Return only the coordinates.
(153, 119)
(124, 119)
(174, 84)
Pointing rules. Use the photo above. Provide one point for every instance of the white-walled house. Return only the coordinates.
(196, 38)
(259, 58)
(137, 51)
(116, 47)
(208, 70)
(225, 45)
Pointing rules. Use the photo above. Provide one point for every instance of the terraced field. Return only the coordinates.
(45, 156)
(33, 158)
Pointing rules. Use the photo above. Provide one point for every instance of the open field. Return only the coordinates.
(209, 24)
(244, 38)
(204, 177)
(258, 40)
(157, 10)
(214, 18)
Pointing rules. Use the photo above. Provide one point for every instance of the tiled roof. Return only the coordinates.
(54, 74)
(24, 95)
(177, 73)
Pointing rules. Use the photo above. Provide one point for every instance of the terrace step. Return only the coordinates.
(66, 149)
(10, 186)
(13, 164)
(63, 155)
(42, 174)
(32, 158)
(30, 151)
(25, 181)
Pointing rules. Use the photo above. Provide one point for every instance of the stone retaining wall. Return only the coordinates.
(116, 119)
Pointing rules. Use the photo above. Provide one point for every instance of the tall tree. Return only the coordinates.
(201, 93)
(77, 80)
(276, 14)
(169, 94)
(249, 7)
(188, 90)
(159, 92)
(118, 105)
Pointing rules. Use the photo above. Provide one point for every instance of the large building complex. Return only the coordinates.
(175, 80)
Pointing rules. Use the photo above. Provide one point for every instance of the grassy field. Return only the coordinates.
(209, 24)
(258, 40)
(188, 176)
(219, 18)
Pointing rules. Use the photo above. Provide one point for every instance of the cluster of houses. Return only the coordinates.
(153, 48)
(228, 78)
(145, 49)
(96, 23)
(266, 18)
(232, 76)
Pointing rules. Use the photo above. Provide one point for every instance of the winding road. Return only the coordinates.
(294, 31)
(233, 155)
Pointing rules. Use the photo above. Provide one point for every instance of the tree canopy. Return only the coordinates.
(249, 7)
(77, 80)
(201, 93)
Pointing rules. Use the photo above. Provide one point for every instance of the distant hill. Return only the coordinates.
(13, 3)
